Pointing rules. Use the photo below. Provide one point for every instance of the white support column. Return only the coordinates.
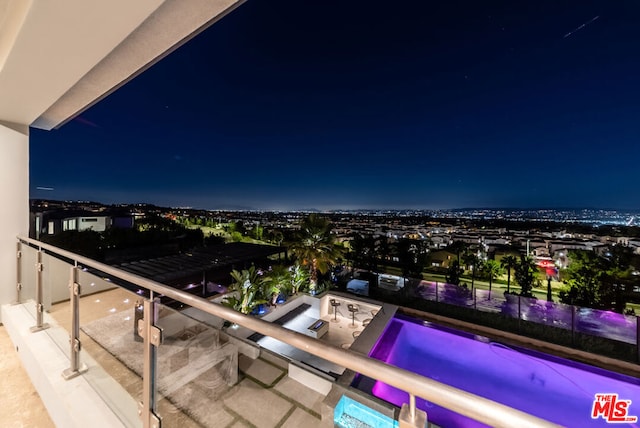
(14, 193)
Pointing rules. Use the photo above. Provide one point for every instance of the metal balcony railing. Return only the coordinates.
(456, 400)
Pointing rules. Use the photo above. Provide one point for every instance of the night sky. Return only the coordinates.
(369, 104)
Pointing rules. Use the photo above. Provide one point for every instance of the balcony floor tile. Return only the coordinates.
(20, 404)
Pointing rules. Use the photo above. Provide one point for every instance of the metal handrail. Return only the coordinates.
(457, 400)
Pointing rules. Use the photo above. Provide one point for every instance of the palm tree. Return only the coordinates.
(315, 247)
(508, 263)
(472, 261)
(493, 269)
(247, 285)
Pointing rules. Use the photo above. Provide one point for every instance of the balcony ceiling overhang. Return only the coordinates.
(59, 57)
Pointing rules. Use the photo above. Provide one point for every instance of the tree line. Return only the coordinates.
(591, 280)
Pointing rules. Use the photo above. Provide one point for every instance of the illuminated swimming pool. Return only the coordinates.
(552, 388)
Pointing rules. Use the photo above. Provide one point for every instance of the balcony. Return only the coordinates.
(134, 361)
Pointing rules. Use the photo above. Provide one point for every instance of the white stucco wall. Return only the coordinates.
(14, 214)
(97, 224)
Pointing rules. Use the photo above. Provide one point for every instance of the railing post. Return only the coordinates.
(573, 325)
(39, 307)
(412, 406)
(152, 337)
(410, 417)
(18, 272)
(519, 312)
(638, 338)
(74, 338)
(436, 291)
(475, 298)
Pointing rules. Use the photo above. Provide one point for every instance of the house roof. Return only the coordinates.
(169, 269)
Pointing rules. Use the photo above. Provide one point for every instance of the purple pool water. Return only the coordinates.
(552, 388)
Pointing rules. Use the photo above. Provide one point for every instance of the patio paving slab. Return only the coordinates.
(260, 370)
(261, 407)
(300, 418)
(302, 395)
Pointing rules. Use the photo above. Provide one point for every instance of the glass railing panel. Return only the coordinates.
(455, 295)
(55, 298)
(510, 307)
(109, 347)
(544, 312)
(197, 366)
(28, 276)
(610, 325)
(55, 280)
(533, 310)
(490, 301)
(112, 349)
(560, 315)
(426, 290)
(94, 282)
